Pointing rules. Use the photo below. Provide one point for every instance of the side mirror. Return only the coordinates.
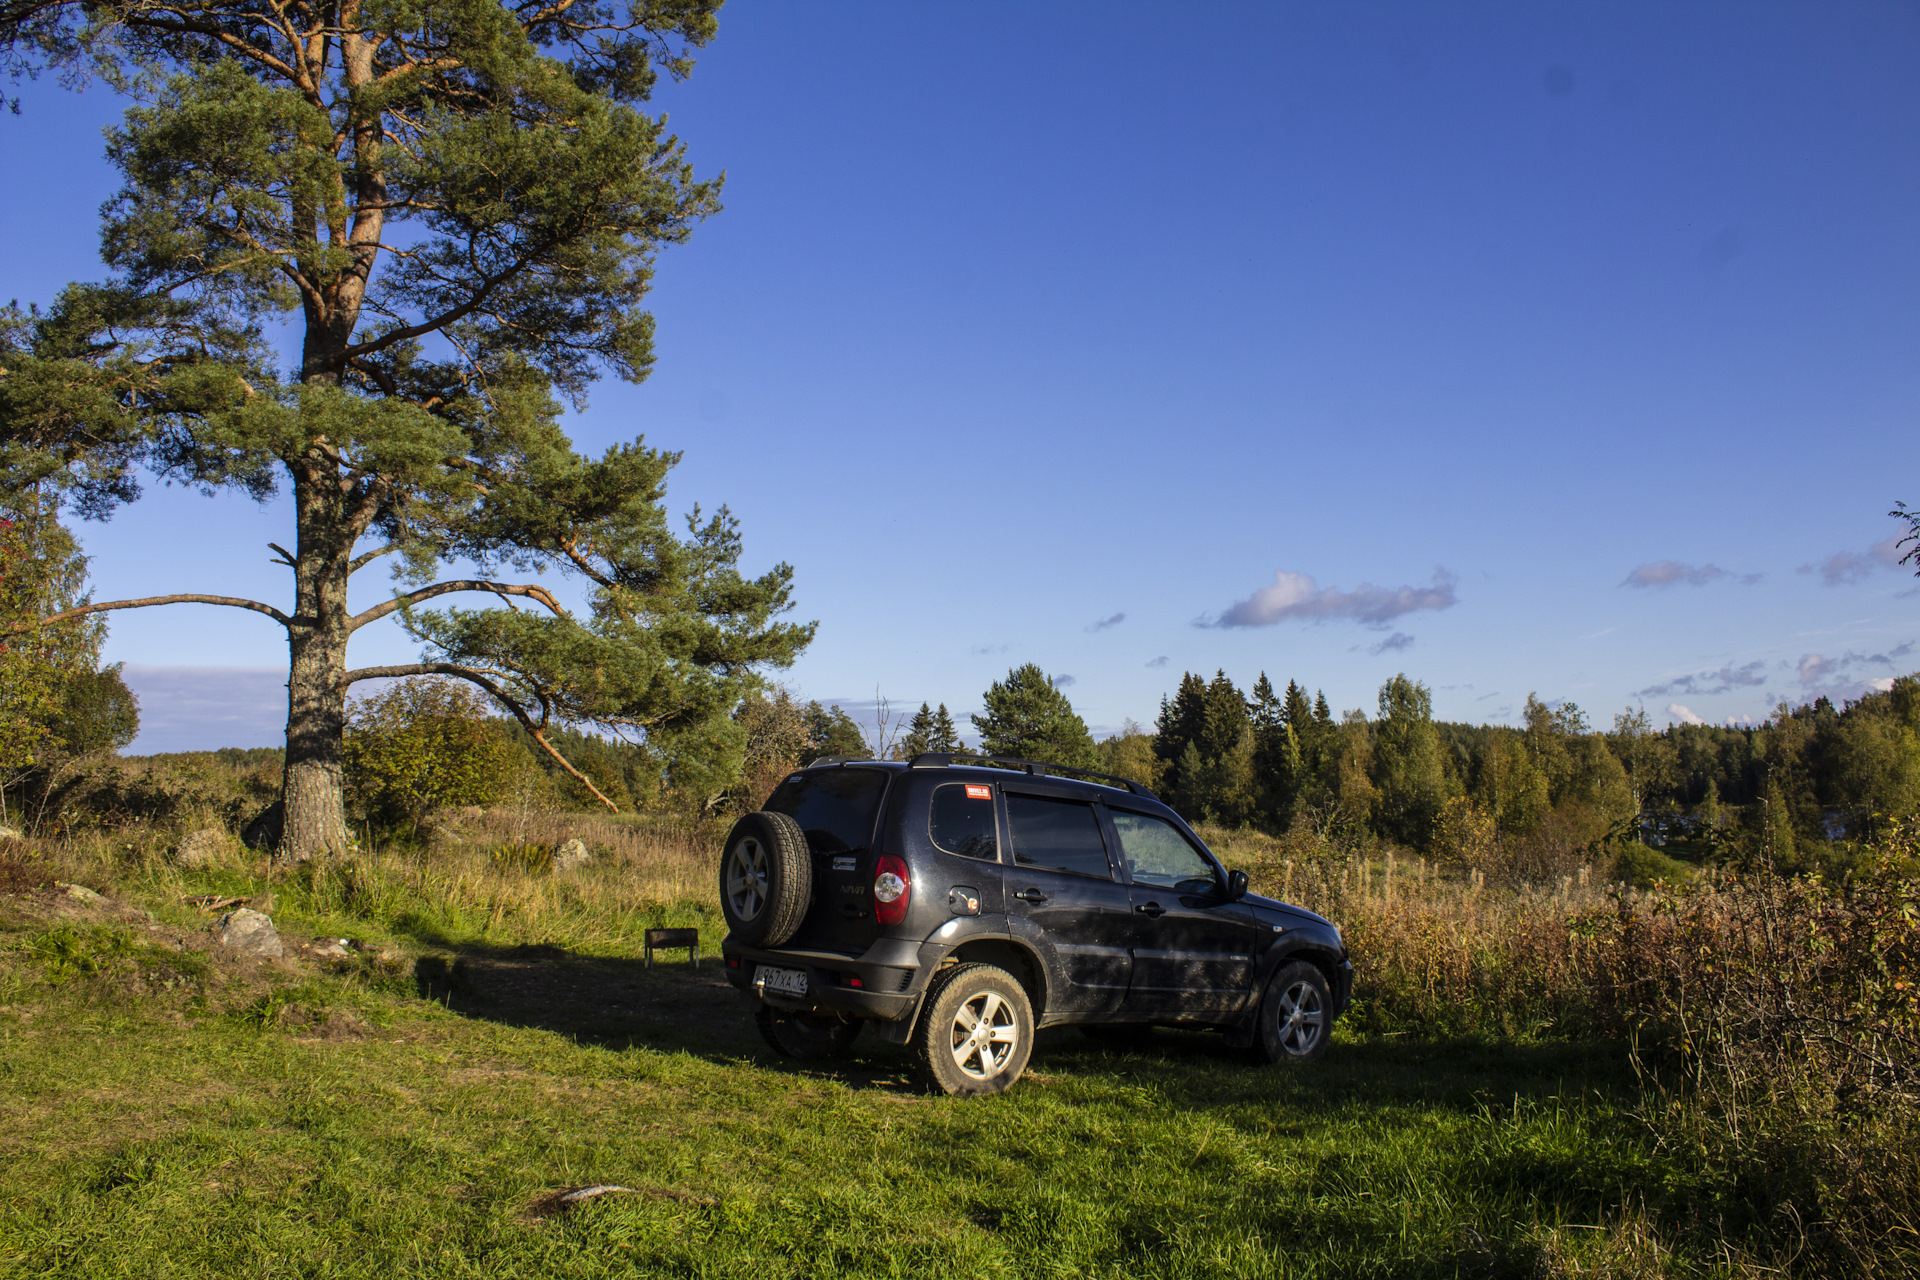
(1236, 885)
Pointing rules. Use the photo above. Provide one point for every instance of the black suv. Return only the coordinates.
(959, 907)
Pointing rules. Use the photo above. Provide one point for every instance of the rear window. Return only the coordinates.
(835, 807)
(960, 820)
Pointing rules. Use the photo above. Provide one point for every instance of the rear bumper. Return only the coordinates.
(865, 986)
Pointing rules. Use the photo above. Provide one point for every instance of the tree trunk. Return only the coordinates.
(315, 815)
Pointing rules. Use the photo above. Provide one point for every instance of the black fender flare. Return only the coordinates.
(1283, 951)
(1016, 933)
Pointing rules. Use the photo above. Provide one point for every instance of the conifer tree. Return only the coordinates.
(1028, 717)
(919, 736)
(944, 737)
(1180, 723)
(459, 203)
(1276, 754)
(832, 732)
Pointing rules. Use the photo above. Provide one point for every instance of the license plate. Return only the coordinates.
(790, 982)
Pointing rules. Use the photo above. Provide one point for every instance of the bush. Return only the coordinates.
(1643, 868)
(422, 745)
(1786, 1013)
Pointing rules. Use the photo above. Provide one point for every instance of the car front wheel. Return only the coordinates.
(1295, 1014)
(976, 1031)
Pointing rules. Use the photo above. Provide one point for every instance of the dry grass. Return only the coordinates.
(1775, 1021)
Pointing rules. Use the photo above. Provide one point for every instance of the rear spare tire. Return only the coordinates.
(766, 879)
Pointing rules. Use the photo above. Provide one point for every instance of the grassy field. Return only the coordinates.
(495, 1042)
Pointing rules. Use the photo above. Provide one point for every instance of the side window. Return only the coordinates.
(1057, 835)
(1157, 854)
(960, 820)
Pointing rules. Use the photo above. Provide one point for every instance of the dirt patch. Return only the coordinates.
(552, 1204)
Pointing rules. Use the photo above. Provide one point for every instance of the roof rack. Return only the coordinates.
(817, 761)
(1038, 768)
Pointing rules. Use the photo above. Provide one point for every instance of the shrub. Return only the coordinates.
(1786, 1013)
(424, 744)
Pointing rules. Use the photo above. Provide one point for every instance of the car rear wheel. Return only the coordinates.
(1295, 1014)
(806, 1037)
(766, 879)
(976, 1031)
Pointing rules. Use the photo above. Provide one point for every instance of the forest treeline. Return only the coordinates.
(1802, 787)
(1793, 787)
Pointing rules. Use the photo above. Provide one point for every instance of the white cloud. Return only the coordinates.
(1667, 573)
(1160, 661)
(1844, 568)
(1392, 644)
(1104, 623)
(1679, 712)
(1296, 597)
(1705, 684)
(1883, 684)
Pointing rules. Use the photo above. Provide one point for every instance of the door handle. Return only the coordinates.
(1152, 910)
(1031, 895)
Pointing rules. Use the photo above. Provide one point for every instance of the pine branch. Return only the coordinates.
(380, 611)
(142, 603)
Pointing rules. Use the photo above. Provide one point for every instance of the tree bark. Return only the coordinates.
(315, 821)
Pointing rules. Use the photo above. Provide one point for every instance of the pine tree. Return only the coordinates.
(919, 736)
(1026, 716)
(459, 204)
(944, 736)
(832, 732)
(1180, 723)
(1276, 755)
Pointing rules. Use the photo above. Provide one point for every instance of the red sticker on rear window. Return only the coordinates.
(979, 793)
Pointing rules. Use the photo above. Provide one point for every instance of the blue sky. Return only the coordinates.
(1560, 349)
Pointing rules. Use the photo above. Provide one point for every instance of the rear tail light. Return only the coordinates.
(892, 890)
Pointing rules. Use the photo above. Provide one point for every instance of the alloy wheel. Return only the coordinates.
(984, 1035)
(747, 878)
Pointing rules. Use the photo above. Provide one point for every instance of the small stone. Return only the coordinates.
(331, 948)
(573, 853)
(201, 849)
(249, 932)
(78, 892)
(8, 833)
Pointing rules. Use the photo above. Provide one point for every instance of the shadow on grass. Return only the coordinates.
(618, 1003)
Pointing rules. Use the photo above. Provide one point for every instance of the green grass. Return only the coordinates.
(337, 1126)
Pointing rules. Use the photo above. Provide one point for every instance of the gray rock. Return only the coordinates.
(331, 948)
(79, 892)
(201, 849)
(249, 932)
(8, 833)
(573, 853)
